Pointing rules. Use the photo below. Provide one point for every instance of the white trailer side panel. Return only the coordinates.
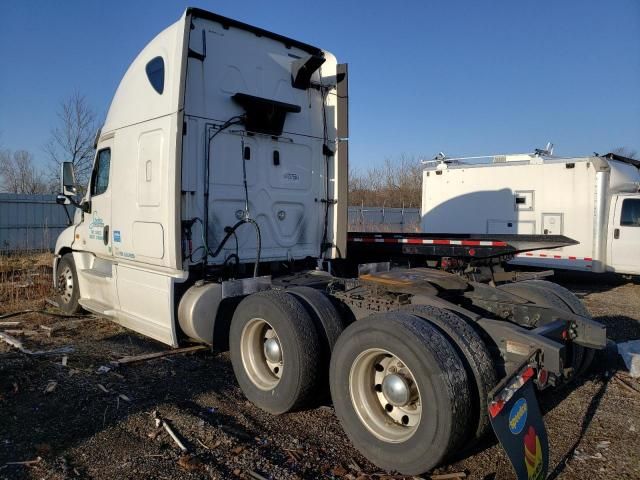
(552, 198)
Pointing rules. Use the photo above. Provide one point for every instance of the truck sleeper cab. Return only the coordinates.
(217, 211)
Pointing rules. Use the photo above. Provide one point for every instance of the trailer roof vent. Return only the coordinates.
(264, 115)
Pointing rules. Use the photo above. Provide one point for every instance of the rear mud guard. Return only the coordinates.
(518, 424)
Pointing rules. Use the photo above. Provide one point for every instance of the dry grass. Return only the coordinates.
(24, 280)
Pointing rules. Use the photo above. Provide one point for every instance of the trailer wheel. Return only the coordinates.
(400, 391)
(68, 289)
(547, 297)
(475, 356)
(274, 349)
(575, 306)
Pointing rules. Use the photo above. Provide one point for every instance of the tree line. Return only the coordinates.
(397, 183)
(70, 140)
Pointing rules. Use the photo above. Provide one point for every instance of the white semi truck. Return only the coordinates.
(217, 212)
(594, 200)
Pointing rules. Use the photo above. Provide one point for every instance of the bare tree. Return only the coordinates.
(625, 152)
(397, 183)
(18, 174)
(72, 139)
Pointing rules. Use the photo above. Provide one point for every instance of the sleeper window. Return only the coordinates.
(100, 179)
(155, 74)
(630, 213)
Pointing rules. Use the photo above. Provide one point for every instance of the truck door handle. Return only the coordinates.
(105, 234)
(616, 233)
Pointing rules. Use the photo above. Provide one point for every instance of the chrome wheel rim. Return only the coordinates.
(261, 352)
(65, 284)
(385, 395)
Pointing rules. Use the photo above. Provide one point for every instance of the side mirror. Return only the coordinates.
(62, 200)
(68, 179)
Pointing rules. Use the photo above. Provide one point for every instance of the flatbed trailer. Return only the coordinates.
(217, 213)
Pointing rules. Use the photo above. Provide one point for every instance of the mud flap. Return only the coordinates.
(519, 426)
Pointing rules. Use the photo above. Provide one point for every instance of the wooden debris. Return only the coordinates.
(26, 462)
(103, 388)
(238, 450)
(124, 397)
(202, 443)
(255, 475)
(449, 476)
(628, 386)
(64, 360)
(160, 422)
(14, 342)
(151, 356)
(51, 386)
(9, 324)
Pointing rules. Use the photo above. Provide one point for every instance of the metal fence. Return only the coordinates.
(384, 219)
(30, 222)
(33, 222)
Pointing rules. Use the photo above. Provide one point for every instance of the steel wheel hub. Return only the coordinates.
(385, 395)
(261, 354)
(396, 390)
(65, 284)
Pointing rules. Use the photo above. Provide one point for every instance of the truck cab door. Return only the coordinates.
(97, 221)
(95, 268)
(625, 235)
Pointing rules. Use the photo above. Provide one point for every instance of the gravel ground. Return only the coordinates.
(101, 425)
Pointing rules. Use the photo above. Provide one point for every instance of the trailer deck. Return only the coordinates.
(455, 245)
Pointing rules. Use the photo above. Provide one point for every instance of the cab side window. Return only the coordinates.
(100, 176)
(630, 216)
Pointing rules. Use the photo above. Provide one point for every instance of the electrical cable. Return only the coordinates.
(325, 137)
(235, 120)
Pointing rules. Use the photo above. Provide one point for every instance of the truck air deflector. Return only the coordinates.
(302, 70)
(264, 115)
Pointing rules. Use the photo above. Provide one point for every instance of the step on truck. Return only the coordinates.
(594, 200)
(217, 213)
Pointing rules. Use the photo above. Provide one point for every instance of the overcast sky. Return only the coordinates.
(463, 77)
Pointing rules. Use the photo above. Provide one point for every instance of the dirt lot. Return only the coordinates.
(100, 425)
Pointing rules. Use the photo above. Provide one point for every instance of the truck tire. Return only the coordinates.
(547, 298)
(400, 391)
(475, 356)
(274, 348)
(329, 326)
(323, 312)
(577, 307)
(68, 289)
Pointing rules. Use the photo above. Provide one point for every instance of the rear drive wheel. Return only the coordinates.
(329, 325)
(475, 356)
(67, 290)
(400, 391)
(274, 349)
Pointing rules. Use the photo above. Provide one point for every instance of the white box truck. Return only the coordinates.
(217, 213)
(594, 200)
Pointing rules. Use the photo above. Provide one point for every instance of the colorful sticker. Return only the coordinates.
(518, 416)
(116, 236)
(533, 455)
